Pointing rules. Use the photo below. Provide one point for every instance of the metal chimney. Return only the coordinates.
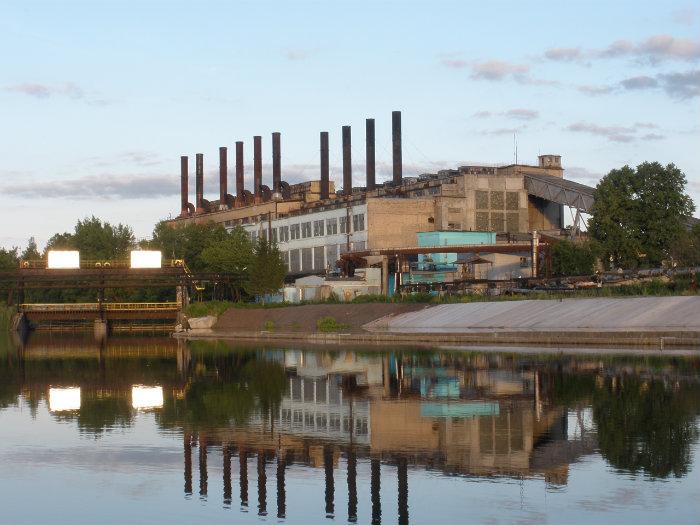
(276, 163)
(223, 175)
(199, 183)
(257, 166)
(240, 185)
(347, 162)
(324, 166)
(396, 145)
(369, 162)
(184, 186)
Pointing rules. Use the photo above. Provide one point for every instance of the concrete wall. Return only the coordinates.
(396, 222)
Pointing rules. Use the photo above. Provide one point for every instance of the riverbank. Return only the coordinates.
(650, 322)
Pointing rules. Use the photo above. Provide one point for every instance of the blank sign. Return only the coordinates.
(146, 259)
(63, 260)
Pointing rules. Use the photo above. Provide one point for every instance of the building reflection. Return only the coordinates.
(271, 411)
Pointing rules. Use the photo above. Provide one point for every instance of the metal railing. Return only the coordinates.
(99, 263)
(96, 307)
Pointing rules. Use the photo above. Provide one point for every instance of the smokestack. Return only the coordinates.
(347, 162)
(257, 165)
(276, 163)
(324, 165)
(369, 134)
(199, 182)
(396, 145)
(184, 185)
(223, 175)
(240, 186)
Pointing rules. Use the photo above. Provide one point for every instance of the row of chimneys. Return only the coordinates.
(261, 192)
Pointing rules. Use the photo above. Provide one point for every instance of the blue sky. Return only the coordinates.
(99, 99)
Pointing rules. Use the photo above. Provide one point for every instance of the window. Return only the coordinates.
(318, 228)
(343, 224)
(331, 226)
(358, 222)
(305, 229)
(253, 237)
(283, 233)
(524, 263)
(306, 259)
(332, 254)
(358, 246)
(318, 258)
(295, 231)
(274, 235)
(294, 266)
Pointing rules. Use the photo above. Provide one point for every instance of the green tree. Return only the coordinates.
(569, 258)
(268, 271)
(639, 215)
(9, 259)
(233, 255)
(31, 252)
(187, 242)
(687, 250)
(95, 239)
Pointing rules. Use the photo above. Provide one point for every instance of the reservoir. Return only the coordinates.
(138, 429)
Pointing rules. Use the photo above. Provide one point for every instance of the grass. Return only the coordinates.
(329, 324)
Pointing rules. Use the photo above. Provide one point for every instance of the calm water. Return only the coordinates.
(149, 431)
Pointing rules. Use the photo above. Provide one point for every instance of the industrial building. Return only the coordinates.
(314, 225)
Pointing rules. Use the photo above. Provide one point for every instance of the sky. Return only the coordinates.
(98, 100)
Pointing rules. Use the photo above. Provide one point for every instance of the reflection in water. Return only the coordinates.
(465, 414)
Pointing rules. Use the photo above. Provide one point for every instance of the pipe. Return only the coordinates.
(199, 182)
(276, 163)
(223, 176)
(257, 166)
(396, 146)
(347, 162)
(240, 185)
(369, 163)
(184, 185)
(325, 184)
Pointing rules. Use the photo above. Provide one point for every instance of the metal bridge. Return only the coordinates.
(562, 191)
(99, 311)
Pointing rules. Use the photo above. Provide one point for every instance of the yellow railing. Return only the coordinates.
(95, 307)
(106, 264)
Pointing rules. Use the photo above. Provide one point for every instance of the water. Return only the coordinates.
(139, 430)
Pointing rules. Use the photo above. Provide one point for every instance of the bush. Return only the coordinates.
(269, 326)
(329, 324)
(570, 258)
(208, 308)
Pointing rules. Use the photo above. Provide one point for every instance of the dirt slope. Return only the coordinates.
(303, 318)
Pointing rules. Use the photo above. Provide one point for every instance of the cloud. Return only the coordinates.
(456, 63)
(564, 54)
(583, 174)
(595, 90)
(103, 186)
(68, 90)
(653, 50)
(496, 70)
(482, 114)
(297, 54)
(140, 158)
(522, 114)
(621, 134)
(641, 82)
(681, 85)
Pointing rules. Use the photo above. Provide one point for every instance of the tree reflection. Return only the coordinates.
(646, 425)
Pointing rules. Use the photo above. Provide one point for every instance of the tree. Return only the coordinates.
(268, 271)
(569, 258)
(31, 252)
(9, 259)
(639, 215)
(233, 255)
(687, 250)
(187, 242)
(95, 240)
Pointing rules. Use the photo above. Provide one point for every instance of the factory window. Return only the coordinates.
(358, 222)
(358, 246)
(454, 226)
(524, 262)
(482, 221)
(512, 222)
(482, 199)
(295, 231)
(512, 201)
(285, 258)
(331, 226)
(283, 233)
(263, 234)
(331, 255)
(305, 229)
(306, 260)
(497, 201)
(343, 224)
(497, 222)
(318, 258)
(435, 190)
(294, 266)
(274, 235)
(318, 228)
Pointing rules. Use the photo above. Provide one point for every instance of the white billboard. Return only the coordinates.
(145, 397)
(64, 399)
(63, 260)
(146, 259)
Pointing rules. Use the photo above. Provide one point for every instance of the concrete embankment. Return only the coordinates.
(656, 322)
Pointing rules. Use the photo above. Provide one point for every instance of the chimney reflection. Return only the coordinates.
(262, 485)
(281, 492)
(227, 475)
(243, 460)
(352, 487)
(187, 438)
(202, 467)
(330, 489)
(403, 490)
(375, 481)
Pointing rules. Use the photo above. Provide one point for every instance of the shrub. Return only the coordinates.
(329, 324)
(269, 325)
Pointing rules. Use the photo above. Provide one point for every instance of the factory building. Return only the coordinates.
(314, 224)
